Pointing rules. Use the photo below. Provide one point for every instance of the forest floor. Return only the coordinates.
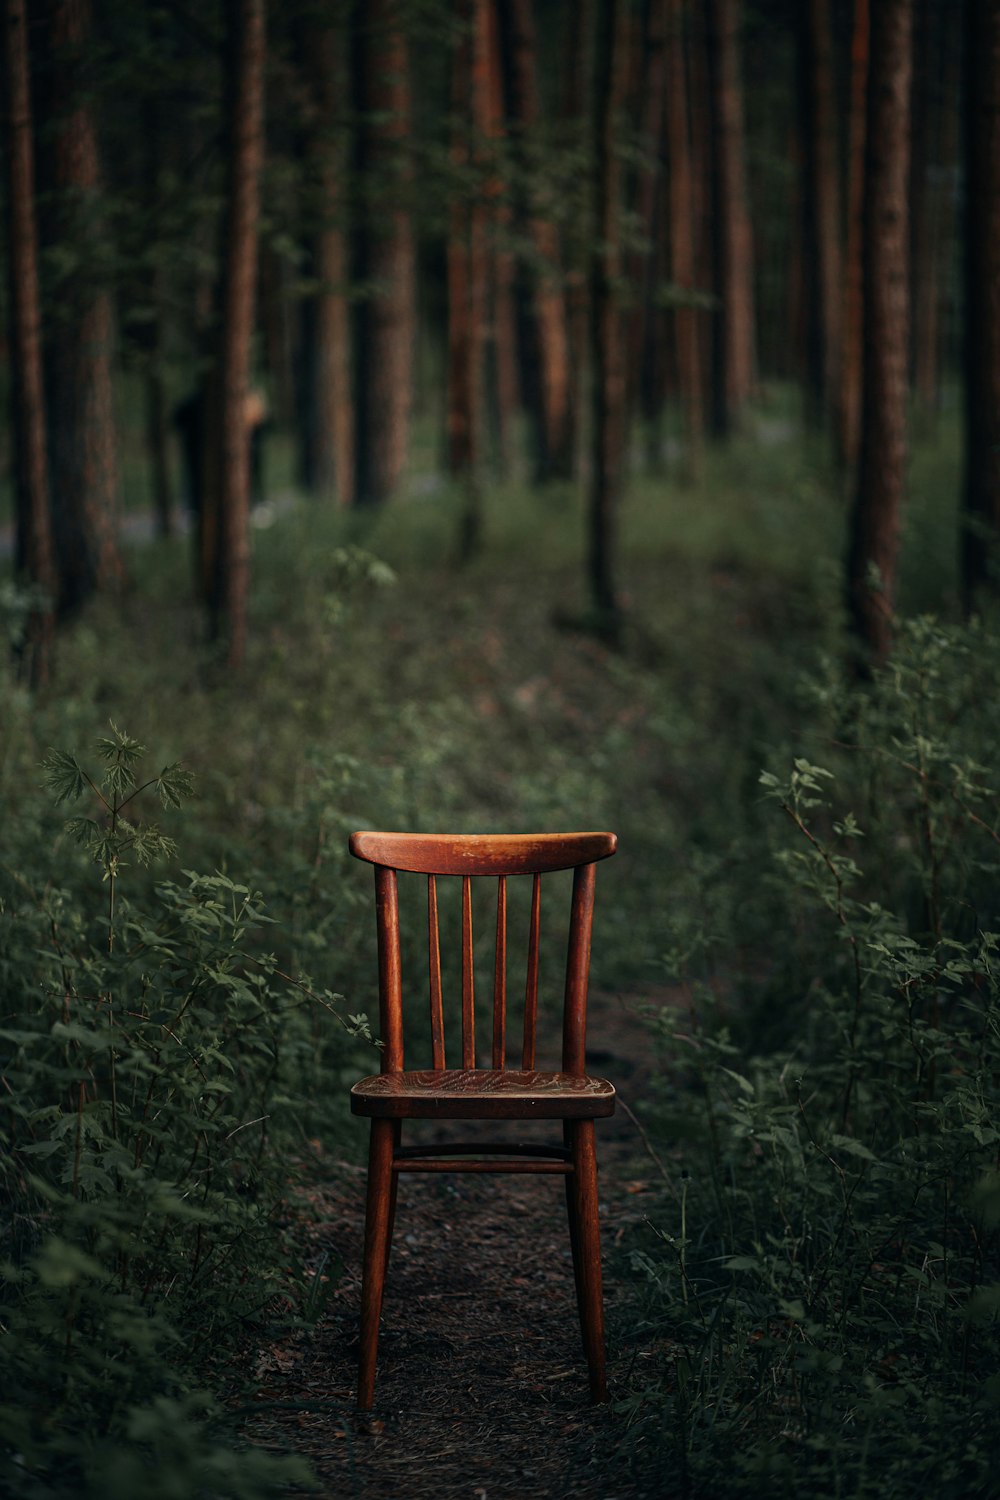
(482, 1385)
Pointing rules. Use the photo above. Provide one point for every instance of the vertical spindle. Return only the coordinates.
(468, 980)
(577, 970)
(531, 983)
(500, 979)
(434, 962)
(390, 982)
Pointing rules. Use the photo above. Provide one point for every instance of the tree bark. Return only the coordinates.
(328, 466)
(821, 208)
(875, 518)
(933, 167)
(502, 379)
(606, 334)
(467, 265)
(227, 496)
(980, 536)
(650, 71)
(385, 254)
(847, 426)
(151, 333)
(681, 228)
(735, 361)
(34, 553)
(549, 331)
(577, 22)
(78, 360)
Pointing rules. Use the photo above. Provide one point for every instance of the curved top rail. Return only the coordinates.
(482, 853)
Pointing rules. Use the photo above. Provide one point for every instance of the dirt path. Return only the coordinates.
(482, 1385)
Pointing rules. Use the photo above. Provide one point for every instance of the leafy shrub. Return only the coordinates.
(153, 1054)
(825, 1289)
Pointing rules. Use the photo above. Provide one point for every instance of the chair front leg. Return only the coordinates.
(574, 1237)
(397, 1137)
(378, 1230)
(586, 1236)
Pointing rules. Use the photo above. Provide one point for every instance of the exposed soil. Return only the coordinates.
(482, 1384)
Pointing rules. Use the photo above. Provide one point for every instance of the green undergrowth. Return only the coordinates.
(184, 1006)
(823, 1283)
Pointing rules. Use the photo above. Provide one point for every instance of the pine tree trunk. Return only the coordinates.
(734, 375)
(682, 222)
(151, 337)
(821, 208)
(606, 334)
(328, 398)
(34, 550)
(933, 168)
(980, 538)
(461, 410)
(649, 64)
(385, 254)
(578, 30)
(849, 387)
(78, 361)
(549, 330)
(502, 382)
(467, 265)
(277, 333)
(702, 193)
(227, 500)
(875, 518)
(158, 443)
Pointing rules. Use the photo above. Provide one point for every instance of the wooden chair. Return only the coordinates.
(498, 1092)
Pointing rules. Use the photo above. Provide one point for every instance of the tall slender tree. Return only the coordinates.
(577, 26)
(644, 259)
(821, 238)
(34, 560)
(386, 307)
(503, 388)
(549, 340)
(80, 337)
(152, 330)
(847, 423)
(225, 535)
(467, 262)
(606, 332)
(735, 343)
(681, 229)
(328, 428)
(878, 496)
(980, 545)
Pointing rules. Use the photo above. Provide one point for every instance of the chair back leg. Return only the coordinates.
(378, 1235)
(585, 1237)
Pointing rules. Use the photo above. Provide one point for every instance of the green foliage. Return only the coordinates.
(151, 1061)
(464, 701)
(825, 1288)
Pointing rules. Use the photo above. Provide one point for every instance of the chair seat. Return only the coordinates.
(482, 1094)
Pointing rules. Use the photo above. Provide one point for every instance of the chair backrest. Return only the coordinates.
(468, 856)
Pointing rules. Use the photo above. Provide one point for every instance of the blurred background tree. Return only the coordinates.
(433, 204)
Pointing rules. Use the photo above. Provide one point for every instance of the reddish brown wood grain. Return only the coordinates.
(578, 970)
(482, 1094)
(482, 853)
(531, 983)
(500, 978)
(496, 1093)
(390, 981)
(434, 960)
(468, 979)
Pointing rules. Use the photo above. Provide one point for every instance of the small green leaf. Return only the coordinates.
(64, 776)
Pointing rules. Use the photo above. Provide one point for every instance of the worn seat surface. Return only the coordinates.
(483, 1094)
